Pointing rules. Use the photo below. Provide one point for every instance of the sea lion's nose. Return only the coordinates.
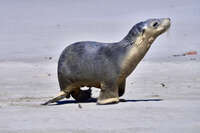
(166, 22)
(166, 19)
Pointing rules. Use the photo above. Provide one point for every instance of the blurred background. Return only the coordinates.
(35, 30)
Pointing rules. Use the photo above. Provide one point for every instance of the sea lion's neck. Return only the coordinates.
(135, 53)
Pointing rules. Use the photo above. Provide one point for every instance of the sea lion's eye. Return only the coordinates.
(155, 24)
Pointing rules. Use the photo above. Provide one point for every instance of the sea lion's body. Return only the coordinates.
(105, 65)
(92, 64)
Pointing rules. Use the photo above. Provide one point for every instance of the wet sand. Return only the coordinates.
(160, 97)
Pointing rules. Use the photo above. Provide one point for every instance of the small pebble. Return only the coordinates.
(79, 105)
(192, 58)
(162, 84)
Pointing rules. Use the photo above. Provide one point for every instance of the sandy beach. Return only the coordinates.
(162, 94)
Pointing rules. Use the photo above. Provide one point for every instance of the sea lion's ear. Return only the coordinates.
(141, 27)
(143, 31)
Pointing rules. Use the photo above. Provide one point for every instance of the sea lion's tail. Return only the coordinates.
(60, 96)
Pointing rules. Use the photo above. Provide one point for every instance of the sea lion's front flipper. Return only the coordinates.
(60, 96)
(122, 88)
(109, 94)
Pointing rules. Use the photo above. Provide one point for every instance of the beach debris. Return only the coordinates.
(48, 58)
(79, 105)
(186, 53)
(155, 95)
(190, 53)
(193, 59)
(49, 74)
(162, 84)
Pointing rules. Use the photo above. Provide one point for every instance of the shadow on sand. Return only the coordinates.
(94, 100)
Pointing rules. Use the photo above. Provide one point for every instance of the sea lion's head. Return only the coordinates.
(155, 27)
(147, 31)
(139, 40)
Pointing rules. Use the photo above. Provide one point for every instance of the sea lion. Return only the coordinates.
(105, 65)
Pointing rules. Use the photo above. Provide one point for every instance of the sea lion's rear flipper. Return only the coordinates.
(60, 96)
(122, 88)
(81, 95)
